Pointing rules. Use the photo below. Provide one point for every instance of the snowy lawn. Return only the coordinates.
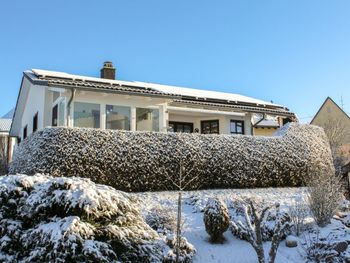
(47, 219)
(234, 249)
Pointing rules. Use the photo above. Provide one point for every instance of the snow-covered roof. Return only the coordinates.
(268, 121)
(207, 94)
(162, 89)
(5, 125)
(45, 77)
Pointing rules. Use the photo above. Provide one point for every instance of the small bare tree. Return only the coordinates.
(184, 176)
(324, 194)
(335, 130)
(298, 211)
(253, 228)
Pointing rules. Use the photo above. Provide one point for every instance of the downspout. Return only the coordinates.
(73, 90)
(255, 124)
(262, 118)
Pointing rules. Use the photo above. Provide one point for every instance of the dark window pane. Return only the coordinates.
(25, 132)
(209, 127)
(54, 115)
(35, 122)
(181, 127)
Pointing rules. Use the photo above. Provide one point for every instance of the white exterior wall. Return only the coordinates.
(40, 99)
(36, 102)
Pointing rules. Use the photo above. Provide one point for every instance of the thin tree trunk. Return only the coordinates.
(178, 228)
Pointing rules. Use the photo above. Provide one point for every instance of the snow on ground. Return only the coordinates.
(233, 249)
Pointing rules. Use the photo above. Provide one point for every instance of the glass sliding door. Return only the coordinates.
(118, 117)
(147, 119)
(86, 115)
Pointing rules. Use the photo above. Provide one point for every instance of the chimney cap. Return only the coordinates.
(108, 64)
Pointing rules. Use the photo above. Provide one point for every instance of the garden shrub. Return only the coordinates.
(145, 161)
(216, 219)
(46, 219)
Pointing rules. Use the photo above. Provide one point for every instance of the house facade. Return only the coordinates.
(49, 98)
(7, 143)
(336, 123)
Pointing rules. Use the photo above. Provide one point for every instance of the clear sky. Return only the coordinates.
(293, 52)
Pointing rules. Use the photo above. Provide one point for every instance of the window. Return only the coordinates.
(86, 115)
(54, 116)
(117, 117)
(61, 110)
(35, 122)
(147, 119)
(210, 127)
(25, 132)
(181, 127)
(237, 127)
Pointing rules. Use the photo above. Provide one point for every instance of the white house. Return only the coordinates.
(49, 98)
(7, 143)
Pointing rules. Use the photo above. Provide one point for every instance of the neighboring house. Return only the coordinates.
(49, 98)
(336, 123)
(7, 143)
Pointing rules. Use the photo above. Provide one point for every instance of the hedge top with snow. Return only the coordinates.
(141, 161)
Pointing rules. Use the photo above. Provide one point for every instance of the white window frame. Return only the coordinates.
(56, 102)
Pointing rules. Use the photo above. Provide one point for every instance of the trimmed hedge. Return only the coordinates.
(141, 161)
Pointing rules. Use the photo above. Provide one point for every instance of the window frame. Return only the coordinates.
(148, 108)
(54, 109)
(175, 123)
(242, 126)
(88, 102)
(210, 121)
(122, 106)
(35, 122)
(25, 132)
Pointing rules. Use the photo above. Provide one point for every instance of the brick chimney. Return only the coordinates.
(108, 71)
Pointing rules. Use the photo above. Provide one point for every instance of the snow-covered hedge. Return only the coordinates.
(46, 219)
(139, 161)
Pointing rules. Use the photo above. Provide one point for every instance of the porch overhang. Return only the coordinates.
(174, 109)
(232, 108)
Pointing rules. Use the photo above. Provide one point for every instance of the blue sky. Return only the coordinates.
(292, 52)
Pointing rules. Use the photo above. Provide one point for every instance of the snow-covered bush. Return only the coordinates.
(251, 228)
(46, 219)
(216, 219)
(144, 161)
(324, 195)
(161, 219)
(269, 224)
(186, 251)
(239, 228)
(324, 251)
